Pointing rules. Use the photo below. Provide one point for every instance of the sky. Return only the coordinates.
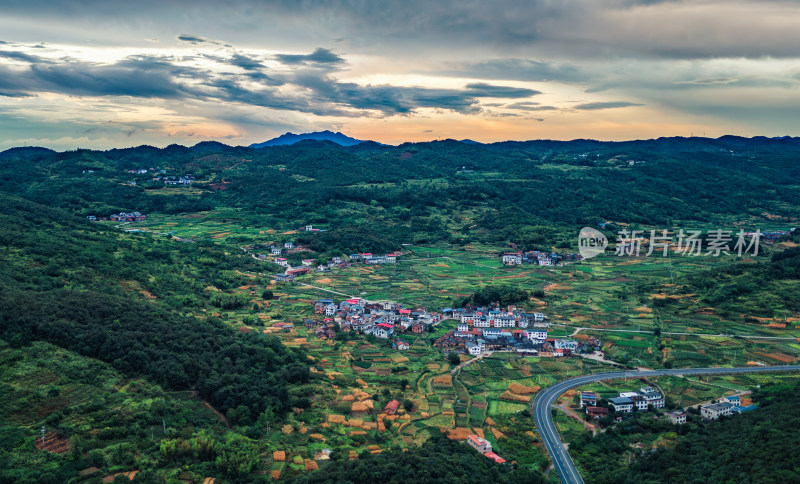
(105, 74)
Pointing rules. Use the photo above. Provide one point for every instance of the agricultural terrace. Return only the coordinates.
(636, 307)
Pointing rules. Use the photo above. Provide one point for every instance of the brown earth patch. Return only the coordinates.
(53, 443)
(557, 287)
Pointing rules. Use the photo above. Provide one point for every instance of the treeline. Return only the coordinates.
(438, 460)
(502, 295)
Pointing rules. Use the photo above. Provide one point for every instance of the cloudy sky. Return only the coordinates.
(102, 74)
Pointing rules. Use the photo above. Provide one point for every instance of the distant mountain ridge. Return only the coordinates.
(291, 138)
(25, 152)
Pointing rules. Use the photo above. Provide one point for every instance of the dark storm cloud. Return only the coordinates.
(21, 56)
(605, 105)
(565, 29)
(518, 69)
(311, 90)
(487, 90)
(528, 106)
(246, 62)
(319, 57)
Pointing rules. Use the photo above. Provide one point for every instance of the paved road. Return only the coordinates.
(672, 333)
(547, 398)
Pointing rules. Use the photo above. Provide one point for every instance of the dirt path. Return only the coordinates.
(219, 414)
(210, 407)
(571, 414)
(326, 290)
(466, 363)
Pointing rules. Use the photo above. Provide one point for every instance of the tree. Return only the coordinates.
(408, 405)
(453, 358)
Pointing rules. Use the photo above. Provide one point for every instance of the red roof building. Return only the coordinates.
(391, 407)
(596, 412)
(496, 458)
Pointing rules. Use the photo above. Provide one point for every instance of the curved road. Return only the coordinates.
(545, 400)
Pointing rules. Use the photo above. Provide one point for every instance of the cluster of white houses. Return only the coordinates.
(370, 258)
(120, 217)
(537, 257)
(640, 401)
(626, 402)
(288, 247)
(730, 405)
(493, 329)
(175, 180)
(381, 319)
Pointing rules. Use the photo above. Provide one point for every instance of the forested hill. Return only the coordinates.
(755, 447)
(533, 193)
(119, 299)
(746, 448)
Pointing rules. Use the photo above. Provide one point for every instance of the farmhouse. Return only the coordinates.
(400, 345)
(480, 444)
(512, 258)
(677, 416)
(391, 407)
(713, 411)
(383, 330)
(128, 217)
(473, 349)
(284, 277)
(589, 399)
(652, 396)
(622, 404)
(596, 412)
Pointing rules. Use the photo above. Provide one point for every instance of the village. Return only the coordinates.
(648, 398)
(479, 331)
(384, 320)
(537, 257)
(485, 330)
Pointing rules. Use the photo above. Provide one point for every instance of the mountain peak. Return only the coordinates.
(291, 138)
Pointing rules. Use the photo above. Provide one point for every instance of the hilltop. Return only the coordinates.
(291, 138)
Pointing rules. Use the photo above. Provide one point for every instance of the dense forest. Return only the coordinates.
(373, 197)
(438, 460)
(72, 284)
(743, 448)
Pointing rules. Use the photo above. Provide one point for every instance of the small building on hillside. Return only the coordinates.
(714, 411)
(391, 407)
(284, 277)
(400, 344)
(622, 404)
(677, 417)
(596, 412)
(479, 443)
(589, 399)
(473, 349)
